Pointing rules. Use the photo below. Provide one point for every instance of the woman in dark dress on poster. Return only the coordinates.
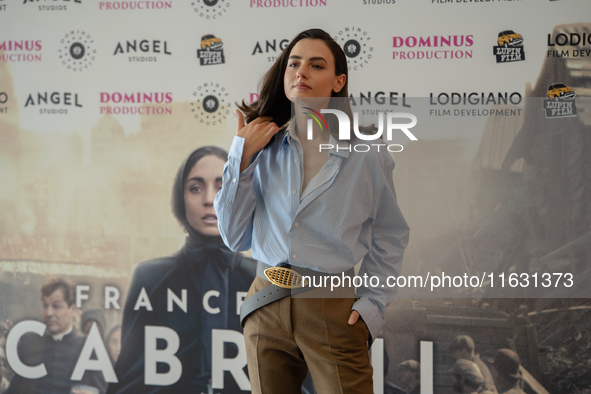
(213, 277)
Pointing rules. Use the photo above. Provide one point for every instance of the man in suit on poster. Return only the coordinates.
(58, 349)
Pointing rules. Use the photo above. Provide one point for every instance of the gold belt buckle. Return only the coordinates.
(284, 277)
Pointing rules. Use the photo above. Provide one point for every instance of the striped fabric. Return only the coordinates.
(347, 213)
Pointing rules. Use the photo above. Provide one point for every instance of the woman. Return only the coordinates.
(212, 276)
(113, 342)
(319, 212)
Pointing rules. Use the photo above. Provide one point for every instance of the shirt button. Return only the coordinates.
(293, 192)
(234, 180)
(295, 224)
(296, 160)
(294, 255)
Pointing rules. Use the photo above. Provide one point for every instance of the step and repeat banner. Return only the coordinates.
(105, 104)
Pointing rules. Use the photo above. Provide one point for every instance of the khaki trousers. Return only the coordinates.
(287, 337)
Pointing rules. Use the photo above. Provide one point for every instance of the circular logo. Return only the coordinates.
(76, 50)
(352, 48)
(356, 44)
(210, 9)
(211, 105)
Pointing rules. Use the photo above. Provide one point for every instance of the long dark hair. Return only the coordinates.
(178, 189)
(272, 100)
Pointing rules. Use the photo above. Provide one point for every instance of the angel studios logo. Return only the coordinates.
(560, 102)
(509, 48)
(210, 9)
(53, 103)
(77, 50)
(55, 6)
(356, 43)
(211, 106)
(272, 48)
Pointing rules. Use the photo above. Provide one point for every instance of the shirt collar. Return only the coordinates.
(61, 336)
(343, 146)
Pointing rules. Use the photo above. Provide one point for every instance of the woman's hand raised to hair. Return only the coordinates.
(256, 134)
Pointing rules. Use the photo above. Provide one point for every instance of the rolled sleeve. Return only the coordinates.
(372, 311)
(390, 235)
(235, 202)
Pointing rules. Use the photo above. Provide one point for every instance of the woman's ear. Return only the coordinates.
(339, 83)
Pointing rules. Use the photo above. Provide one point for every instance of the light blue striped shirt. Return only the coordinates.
(348, 213)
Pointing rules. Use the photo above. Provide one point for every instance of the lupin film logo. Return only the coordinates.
(55, 5)
(560, 102)
(356, 44)
(211, 50)
(509, 48)
(77, 51)
(210, 9)
(211, 106)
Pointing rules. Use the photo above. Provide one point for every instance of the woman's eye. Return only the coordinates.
(196, 189)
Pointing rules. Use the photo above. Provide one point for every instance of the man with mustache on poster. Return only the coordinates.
(58, 349)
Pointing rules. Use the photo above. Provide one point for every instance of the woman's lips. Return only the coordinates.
(210, 219)
(301, 86)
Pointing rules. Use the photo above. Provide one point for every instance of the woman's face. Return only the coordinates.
(201, 186)
(115, 345)
(310, 71)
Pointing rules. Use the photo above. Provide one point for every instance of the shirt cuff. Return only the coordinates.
(235, 158)
(371, 315)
